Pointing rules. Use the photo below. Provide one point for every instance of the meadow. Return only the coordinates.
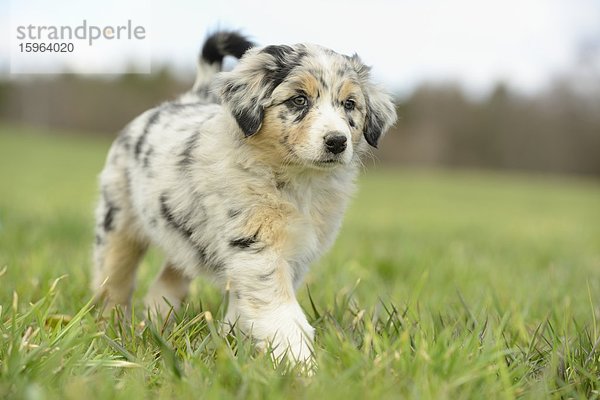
(441, 285)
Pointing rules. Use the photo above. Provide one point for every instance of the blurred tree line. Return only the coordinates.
(557, 130)
(554, 131)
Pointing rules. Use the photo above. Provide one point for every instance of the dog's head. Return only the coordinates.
(306, 105)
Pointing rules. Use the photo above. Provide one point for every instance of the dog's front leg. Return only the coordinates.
(263, 304)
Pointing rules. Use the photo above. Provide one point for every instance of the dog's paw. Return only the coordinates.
(289, 339)
(294, 345)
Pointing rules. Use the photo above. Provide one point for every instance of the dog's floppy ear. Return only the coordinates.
(247, 89)
(381, 112)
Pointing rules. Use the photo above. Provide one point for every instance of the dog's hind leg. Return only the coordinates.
(116, 257)
(118, 247)
(115, 269)
(168, 291)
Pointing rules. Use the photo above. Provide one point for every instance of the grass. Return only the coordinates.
(441, 285)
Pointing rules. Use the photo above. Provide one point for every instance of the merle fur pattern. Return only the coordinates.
(233, 179)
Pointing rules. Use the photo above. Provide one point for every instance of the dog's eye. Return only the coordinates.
(300, 101)
(349, 104)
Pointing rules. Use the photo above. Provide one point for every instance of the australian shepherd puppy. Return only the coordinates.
(246, 178)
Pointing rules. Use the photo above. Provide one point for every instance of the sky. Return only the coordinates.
(476, 43)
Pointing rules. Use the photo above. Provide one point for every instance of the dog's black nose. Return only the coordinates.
(335, 142)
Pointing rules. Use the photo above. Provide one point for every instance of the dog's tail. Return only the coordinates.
(216, 47)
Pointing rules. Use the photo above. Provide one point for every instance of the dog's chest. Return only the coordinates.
(320, 207)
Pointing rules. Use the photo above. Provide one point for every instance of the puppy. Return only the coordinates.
(246, 178)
